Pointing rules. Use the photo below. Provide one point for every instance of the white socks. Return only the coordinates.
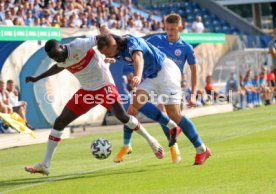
(201, 149)
(135, 125)
(54, 139)
(171, 124)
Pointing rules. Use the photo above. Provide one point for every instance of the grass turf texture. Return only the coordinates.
(243, 145)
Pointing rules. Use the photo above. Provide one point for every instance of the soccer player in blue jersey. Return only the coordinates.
(160, 75)
(179, 51)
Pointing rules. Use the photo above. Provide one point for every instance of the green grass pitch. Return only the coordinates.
(243, 161)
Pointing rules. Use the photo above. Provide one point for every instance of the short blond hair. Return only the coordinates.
(173, 18)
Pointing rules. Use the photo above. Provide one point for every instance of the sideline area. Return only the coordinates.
(15, 140)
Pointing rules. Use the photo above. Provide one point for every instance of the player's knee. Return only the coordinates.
(175, 116)
(140, 100)
(162, 108)
(132, 110)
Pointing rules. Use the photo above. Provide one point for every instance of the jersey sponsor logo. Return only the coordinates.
(177, 52)
(128, 59)
(130, 49)
(83, 63)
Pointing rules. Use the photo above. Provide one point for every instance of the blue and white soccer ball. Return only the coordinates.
(101, 148)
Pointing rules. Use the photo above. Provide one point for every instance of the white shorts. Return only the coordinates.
(166, 86)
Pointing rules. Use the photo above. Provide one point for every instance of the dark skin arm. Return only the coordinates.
(52, 71)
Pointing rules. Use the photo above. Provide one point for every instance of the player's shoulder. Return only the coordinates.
(131, 38)
(157, 37)
(185, 44)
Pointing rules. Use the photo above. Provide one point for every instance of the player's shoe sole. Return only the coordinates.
(201, 158)
(123, 151)
(38, 168)
(157, 149)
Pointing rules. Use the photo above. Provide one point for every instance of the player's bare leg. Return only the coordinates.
(188, 128)
(135, 125)
(61, 122)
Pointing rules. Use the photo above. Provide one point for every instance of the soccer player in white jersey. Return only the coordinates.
(97, 87)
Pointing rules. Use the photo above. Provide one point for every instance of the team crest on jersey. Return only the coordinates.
(128, 59)
(177, 52)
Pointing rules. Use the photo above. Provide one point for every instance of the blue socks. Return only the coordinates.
(189, 130)
(127, 135)
(166, 131)
(152, 112)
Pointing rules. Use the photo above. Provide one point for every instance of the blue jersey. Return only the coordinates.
(247, 83)
(255, 83)
(179, 51)
(153, 57)
(262, 82)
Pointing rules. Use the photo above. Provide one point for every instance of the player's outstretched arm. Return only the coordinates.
(52, 71)
(138, 63)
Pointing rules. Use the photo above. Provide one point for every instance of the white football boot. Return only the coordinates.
(38, 168)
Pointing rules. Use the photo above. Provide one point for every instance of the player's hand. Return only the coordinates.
(30, 79)
(192, 101)
(110, 60)
(136, 80)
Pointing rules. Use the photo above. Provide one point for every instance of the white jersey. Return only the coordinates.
(86, 64)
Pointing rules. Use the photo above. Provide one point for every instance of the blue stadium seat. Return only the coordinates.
(217, 29)
(190, 10)
(190, 18)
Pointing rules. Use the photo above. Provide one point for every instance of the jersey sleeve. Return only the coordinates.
(191, 56)
(83, 44)
(151, 39)
(133, 46)
(272, 45)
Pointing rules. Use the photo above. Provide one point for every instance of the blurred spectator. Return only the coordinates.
(266, 91)
(186, 27)
(20, 15)
(249, 89)
(273, 9)
(29, 18)
(187, 92)
(232, 90)
(8, 19)
(2, 12)
(5, 106)
(160, 27)
(13, 94)
(198, 26)
(256, 92)
(272, 50)
(76, 14)
(242, 91)
(146, 28)
(209, 88)
(271, 78)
